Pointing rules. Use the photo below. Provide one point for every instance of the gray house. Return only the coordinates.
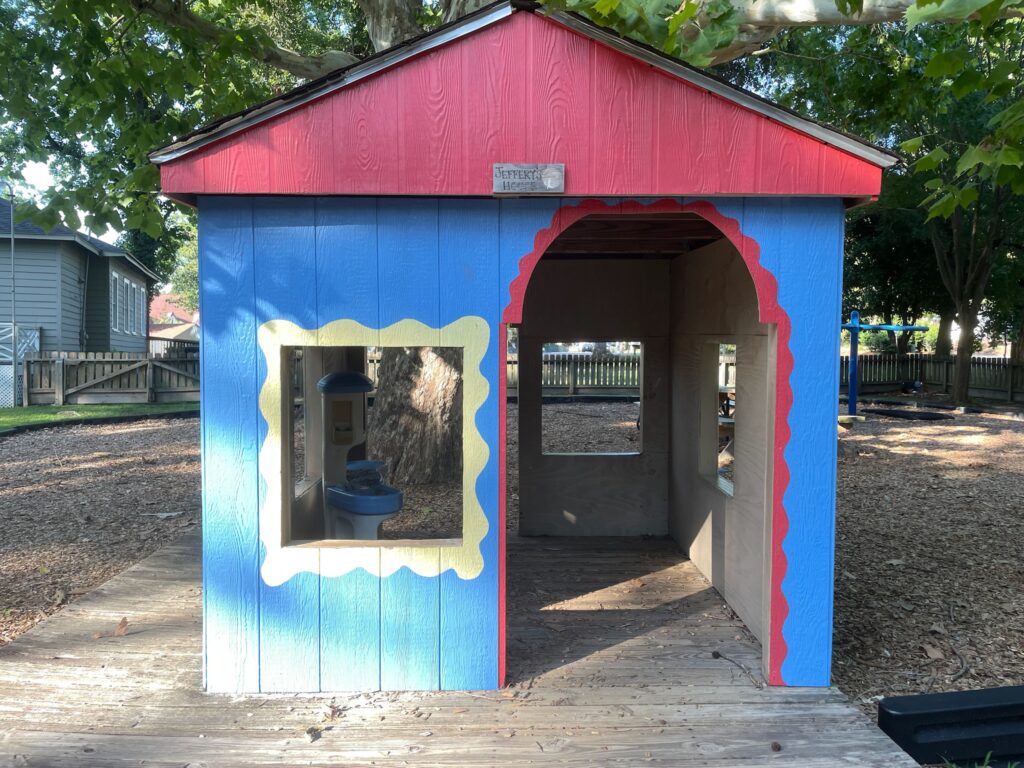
(80, 293)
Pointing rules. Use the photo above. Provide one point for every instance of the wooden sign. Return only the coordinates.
(529, 178)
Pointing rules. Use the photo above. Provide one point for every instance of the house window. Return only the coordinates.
(115, 293)
(132, 307)
(591, 397)
(126, 314)
(719, 415)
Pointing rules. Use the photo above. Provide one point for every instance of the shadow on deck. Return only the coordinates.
(610, 662)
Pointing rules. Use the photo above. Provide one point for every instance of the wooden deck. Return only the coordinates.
(610, 657)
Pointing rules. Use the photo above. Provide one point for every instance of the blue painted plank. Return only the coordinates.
(802, 244)
(285, 270)
(346, 260)
(229, 438)
(470, 278)
(520, 219)
(350, 622)
(409, 628)
(408, 257)
(347, 288)
(407, 247)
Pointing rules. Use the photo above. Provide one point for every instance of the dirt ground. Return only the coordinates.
(80, 504)
(929, 556)
(929, 566)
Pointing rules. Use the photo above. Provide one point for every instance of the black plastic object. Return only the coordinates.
(959, 726)
(899, 413)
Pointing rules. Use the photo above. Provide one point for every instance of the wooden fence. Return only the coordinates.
(576, 374)
(160, 347)
(993, 378)
(59, 378)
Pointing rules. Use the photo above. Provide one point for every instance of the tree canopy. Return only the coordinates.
(100, 83)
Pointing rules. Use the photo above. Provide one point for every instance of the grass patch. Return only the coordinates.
(54, 414)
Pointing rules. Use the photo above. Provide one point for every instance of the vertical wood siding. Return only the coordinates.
(230, 441)
(315, 260)
(525, 89)
(347, 286)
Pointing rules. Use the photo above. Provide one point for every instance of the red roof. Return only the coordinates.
(165, 306)
(529, 88)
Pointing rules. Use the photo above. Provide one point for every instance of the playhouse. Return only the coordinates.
(514, 168)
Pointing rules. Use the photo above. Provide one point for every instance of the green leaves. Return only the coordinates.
(686, 12)
(932, 160)
(911, 146)
(100, 84)
(971, 159)
(945, 63)
(929, 10)
(606, 7)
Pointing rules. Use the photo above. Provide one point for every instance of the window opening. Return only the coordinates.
(374, 443)
(720, 421)
(592, 397)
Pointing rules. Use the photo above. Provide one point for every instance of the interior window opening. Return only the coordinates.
(375, 450)
(592, 397)
(720, 442)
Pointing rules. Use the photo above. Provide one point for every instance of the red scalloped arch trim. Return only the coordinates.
(769, 311)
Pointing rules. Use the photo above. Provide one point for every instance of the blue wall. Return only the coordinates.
(315, 260)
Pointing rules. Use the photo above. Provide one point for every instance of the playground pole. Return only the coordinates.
(854, 327)
(851, 389)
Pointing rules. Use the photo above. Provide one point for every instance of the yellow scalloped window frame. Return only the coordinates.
(283, 561)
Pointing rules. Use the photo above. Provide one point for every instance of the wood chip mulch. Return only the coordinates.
(929, 556)
(80, 504)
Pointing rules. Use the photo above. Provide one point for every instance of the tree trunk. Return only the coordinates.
(416, 420)
(390, 22)
(968, 319)
(1017, 347)
(944, 344)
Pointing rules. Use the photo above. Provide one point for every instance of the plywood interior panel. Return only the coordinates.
(595, 494)
(713, 302)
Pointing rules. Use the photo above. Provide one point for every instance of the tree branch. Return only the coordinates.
(389, 22)
(178, 15)
(761, 20)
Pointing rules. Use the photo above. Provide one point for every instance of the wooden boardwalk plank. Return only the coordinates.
(606, 670)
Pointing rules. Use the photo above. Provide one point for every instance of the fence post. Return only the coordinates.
(58, 381)
(572, 374)
(945, 375)
(150, 391)
(1009, 382)
(26, 382)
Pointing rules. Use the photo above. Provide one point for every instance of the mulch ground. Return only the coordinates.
(929, 566)
(80, 504)
(930, 556)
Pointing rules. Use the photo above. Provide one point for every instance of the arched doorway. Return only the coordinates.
(673, 283)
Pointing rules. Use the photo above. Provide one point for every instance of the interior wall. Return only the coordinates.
(304, 511)
(713, 302)
(596, 494)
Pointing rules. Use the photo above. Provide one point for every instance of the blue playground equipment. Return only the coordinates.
(855, 327)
